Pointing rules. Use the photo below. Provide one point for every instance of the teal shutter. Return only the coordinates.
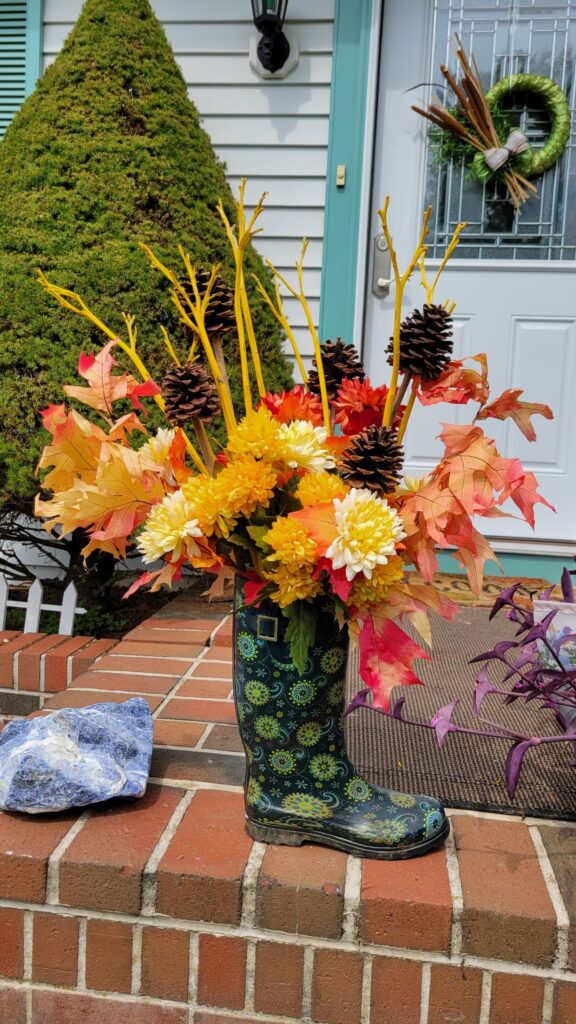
(20, 54)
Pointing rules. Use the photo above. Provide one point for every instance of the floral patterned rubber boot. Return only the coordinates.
(300, 784)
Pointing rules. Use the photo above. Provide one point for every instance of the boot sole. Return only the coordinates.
(290, 837)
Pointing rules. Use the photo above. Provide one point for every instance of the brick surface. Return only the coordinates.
(124, 682)
(212, 670)
(302, 890)
(220, 655)
(12, 702)
(407, 903)
(455, 994)
(206, 688)
(25, 846)
(55, 949)
(178, 734)
(70, 1008)
(225, 737)
(560, 846)
(11, 943)
(139, 649)
(7, 652)
(396, 991)
(192, 710)
(336, 987)
(200, 875)
(222, 971)
(56, 662)
(73, 698)
(203, 1017)
(175, 667)
(197, 766)
(507, 910)
(102, 868)
(165, 953)
(194, 639)
(564, 1006)
(279, 979)
(12, 1006)
(108, 955)
(85, 658)
(516, 999)
(29, 661)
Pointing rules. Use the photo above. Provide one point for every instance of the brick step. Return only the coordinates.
(163, 911)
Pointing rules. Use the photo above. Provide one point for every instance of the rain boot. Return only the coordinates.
(300, 784)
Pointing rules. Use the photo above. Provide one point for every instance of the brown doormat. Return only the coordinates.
(469, 770)
(455, 586)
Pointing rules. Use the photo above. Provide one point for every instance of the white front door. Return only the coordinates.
(514, 281)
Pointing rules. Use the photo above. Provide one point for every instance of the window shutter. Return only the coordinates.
(20, 52)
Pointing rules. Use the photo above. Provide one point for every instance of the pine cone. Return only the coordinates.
(374, 459)
(219, 316)
(425, 342)
(339, 361)
(188, 392)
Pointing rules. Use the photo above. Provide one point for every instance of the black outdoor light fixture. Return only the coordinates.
(273, 49)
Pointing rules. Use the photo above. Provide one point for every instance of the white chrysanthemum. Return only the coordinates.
(158, 448)
(368, 531)
(416, 483)
(303, 446)
(170, 529)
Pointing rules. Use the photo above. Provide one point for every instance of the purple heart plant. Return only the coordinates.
(541, 666)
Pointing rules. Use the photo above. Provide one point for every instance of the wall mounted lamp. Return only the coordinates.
(275, 53)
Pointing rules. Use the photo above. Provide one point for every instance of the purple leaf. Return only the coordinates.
(504, 597)
(398, 708)
(442, 722)
(538, 632)
(546, 594)
(514, 763)
(482, 689)
(359, 701)
(567, 587)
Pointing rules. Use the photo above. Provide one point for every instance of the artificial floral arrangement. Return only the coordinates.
(541, 666)
(478, 132)
(306, 500)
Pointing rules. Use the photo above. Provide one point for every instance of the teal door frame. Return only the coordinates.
(342, 218)
(34, 16)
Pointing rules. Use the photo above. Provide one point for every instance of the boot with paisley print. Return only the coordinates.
(300, 784)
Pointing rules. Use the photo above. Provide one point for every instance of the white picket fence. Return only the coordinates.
(34, 606)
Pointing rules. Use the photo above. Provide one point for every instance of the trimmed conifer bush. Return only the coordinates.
(107, 152)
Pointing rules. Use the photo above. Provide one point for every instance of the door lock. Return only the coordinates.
(381, 265)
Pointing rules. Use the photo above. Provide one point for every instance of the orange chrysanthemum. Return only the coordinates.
(291, 543)
(366, 593)
(297, 404)
(245, 484)
(315, 488)
(359, 405)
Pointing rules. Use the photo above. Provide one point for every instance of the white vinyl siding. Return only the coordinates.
(275, 133)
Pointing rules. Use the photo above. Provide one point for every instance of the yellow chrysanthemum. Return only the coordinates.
(206, 497)
(245, 484)
(317, 487)
(301, 445)
(367, 592)
(293, 585)
(170, 529)
(257, 435)
(292, 544)
(368, 531)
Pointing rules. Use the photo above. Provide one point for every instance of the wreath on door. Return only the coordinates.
(477, 130)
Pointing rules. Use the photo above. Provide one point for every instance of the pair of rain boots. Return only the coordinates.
(300, 784)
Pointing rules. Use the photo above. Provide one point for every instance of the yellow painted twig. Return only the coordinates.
(277, 309)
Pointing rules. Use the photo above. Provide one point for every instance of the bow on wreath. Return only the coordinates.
(497, 156)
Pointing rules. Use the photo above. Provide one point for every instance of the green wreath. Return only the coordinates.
(531, 163)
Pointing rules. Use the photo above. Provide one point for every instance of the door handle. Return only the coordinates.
(381, 264)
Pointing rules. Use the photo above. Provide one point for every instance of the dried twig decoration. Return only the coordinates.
(476, 128)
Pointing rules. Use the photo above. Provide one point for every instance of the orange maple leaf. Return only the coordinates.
(103, 387)
(320, 522)
(458, 384)
(386, 659)
(75, 448)
(508, 404)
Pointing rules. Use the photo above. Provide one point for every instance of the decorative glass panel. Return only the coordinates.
(507, 37)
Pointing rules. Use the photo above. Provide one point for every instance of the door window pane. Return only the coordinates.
(507, 36)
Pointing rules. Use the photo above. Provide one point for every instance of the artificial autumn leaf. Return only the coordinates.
(458, 384)
(103, 387)
(525, 496)
(386, 658)
(224, 580)
(474, 560)
(474, 470)
(162, 577)
(126, 425)
(320, 522)
(508, 405)
(74, 452)
(125, 493)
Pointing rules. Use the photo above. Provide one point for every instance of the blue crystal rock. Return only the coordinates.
(76, 756)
